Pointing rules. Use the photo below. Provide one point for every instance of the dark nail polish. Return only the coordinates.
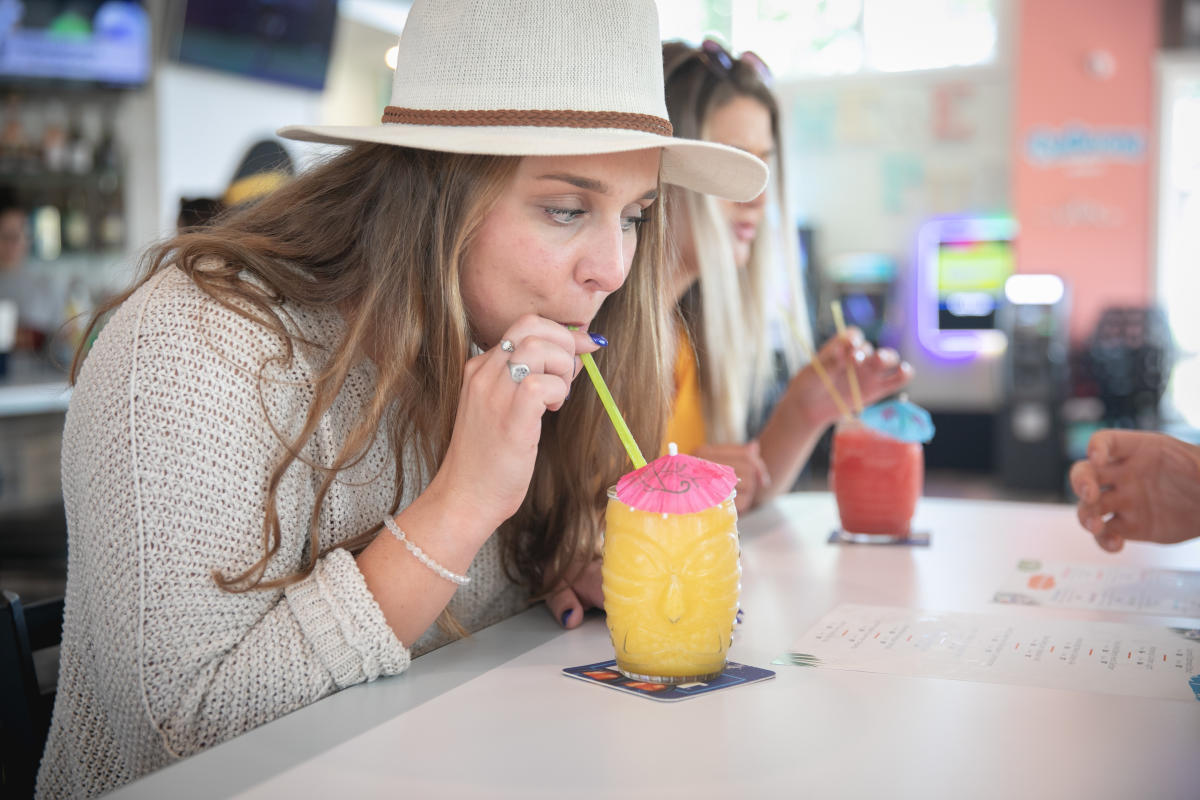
(598, 339)
(566, 616)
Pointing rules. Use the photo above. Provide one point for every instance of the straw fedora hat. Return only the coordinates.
(541, 77)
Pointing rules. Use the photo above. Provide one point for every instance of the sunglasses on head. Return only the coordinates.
(721, 63)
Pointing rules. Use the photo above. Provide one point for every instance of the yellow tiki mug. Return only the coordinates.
(671, 581)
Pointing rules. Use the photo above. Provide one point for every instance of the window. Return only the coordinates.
(800, 38)
(1179, 229)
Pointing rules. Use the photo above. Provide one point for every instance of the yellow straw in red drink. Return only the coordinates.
(817, 366)
(610, 405)
(851, 372)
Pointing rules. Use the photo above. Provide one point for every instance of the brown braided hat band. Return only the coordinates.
(540, 78)
(538, 118)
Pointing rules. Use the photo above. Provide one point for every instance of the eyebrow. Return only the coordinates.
(590, 184)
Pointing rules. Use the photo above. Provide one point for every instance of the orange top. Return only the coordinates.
(686, 426)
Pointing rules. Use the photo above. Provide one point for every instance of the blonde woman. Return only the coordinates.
(735, 266)
(343, 415)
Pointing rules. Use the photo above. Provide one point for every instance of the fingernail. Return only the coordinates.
(738, 619)
(566, 616)
(598, 339)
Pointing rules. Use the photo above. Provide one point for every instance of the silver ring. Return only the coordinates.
(506, 345)
(518, 372)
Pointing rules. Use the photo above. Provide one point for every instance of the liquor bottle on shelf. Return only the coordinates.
(80, 150)
(46, 227)
(107, 158)
(15, 146)
(54, 137)
(76, 222)
(110, 222)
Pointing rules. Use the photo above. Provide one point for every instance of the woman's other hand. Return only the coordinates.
(567, 603)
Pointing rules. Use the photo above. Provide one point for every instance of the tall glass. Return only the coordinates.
(671, 585)
(877, 481)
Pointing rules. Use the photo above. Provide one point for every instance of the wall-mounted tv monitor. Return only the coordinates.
(286, 41)
(74, 41)
(962, 264)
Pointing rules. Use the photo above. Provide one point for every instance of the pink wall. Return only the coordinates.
(1083, 148)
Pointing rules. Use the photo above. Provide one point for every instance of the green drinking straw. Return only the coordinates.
(610, 405)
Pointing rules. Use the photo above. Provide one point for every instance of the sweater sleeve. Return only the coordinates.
(192, 434)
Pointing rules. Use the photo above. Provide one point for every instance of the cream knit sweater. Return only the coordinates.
(166, 457)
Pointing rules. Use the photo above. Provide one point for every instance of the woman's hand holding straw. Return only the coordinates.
(840, 322)
(817, 366)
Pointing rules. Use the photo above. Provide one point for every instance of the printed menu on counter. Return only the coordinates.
(1169, 592)
(1105, 657)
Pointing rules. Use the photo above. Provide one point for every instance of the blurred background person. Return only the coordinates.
(40, 298)
(734, 270)
(196, 212)
(264, 168)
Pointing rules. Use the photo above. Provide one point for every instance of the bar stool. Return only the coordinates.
(25, 708)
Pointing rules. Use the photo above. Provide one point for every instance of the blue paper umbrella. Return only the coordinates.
(900, 419)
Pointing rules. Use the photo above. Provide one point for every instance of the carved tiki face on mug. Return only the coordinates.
(671, 585)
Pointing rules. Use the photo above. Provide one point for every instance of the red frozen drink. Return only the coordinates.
(876, 480)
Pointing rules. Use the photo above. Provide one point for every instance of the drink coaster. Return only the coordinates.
(913, 539)
(605, 673)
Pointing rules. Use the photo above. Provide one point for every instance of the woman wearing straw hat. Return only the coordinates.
(313, 442)
(736, 266)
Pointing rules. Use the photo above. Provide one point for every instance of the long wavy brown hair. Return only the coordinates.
(380, 233)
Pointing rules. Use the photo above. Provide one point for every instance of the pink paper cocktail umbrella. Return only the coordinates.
(676, 484)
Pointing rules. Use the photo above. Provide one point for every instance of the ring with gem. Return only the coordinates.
(518, 372)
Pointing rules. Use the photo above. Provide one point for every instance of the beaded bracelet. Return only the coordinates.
(461, 580)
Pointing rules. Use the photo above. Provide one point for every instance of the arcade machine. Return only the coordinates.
(1031, 447)
(955, 342)
(865, 285)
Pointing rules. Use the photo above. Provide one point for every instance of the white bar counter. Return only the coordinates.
(31, 385)
(491, 716)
